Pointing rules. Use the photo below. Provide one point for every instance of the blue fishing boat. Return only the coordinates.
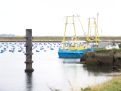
(76, 50)
(64, 53)
(73, 48)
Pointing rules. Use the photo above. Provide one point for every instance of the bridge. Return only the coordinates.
(54, 38)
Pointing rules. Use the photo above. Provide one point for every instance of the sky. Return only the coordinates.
(47, 17)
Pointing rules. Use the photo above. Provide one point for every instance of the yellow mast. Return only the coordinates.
(74, 37)
(96, 32)
(65, 29)
(88, 34)
(94, 38)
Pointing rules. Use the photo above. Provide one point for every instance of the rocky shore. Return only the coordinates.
(103, 57)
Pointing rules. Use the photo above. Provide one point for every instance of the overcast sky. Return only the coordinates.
(47, 17)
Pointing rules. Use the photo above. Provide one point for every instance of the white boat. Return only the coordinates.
(113, 46)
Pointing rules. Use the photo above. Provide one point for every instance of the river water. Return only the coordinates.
(50, 72)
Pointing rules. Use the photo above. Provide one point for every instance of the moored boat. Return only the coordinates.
(65, 53)
(73, 48)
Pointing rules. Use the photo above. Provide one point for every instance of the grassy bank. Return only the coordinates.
(102, 50)
(111, 85)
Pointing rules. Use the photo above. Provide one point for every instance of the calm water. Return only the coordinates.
(49, 70)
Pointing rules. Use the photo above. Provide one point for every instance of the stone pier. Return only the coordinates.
(28, 53)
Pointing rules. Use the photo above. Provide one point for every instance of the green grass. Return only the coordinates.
(111, 85)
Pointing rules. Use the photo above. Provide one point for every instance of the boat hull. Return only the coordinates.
(70, 55)
(63, 53)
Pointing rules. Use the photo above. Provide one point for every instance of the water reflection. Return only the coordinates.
(96, 69)
(29, 85)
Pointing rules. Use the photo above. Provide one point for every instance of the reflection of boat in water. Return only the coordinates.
(72, 48)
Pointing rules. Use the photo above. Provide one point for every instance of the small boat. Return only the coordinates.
(112, 46)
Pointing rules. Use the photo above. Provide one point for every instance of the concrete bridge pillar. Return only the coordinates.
(28, 53)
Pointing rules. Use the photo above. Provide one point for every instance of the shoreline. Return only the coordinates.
(103, 57)
(111, 85)
(55, 38)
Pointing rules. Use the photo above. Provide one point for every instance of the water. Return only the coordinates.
(49, 70)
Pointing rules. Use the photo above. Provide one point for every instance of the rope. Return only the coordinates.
(81, 25)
